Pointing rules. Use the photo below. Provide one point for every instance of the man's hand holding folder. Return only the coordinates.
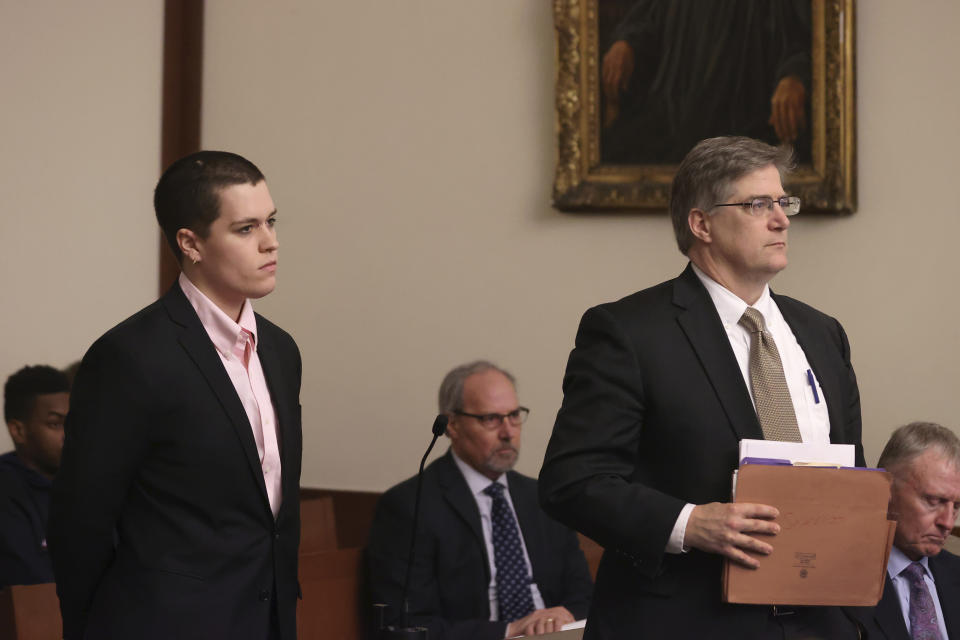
(724, 528)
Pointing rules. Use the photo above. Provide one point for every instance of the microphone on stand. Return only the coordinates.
(405, 632)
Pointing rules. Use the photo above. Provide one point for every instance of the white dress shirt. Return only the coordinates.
(897, 562)
(809, 403)
(477, 483)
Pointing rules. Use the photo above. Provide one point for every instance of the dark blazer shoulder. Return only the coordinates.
(945, 567)
(653, 300)
(279, 335)
(521, 480)
(946, 561)
(792, 308)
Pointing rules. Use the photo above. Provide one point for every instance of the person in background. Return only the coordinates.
(489, 563)
(921, 597)
(35, 404)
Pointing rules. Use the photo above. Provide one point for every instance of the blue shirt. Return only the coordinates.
(24, 507)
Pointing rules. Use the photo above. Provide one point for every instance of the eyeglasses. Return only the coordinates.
(491, 421)
(764, 205)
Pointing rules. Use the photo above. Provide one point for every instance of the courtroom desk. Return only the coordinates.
(30, 612)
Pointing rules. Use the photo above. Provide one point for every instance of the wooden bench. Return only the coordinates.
(30, 612)
(335, 605)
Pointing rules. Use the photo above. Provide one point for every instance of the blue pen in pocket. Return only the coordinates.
(813, 386)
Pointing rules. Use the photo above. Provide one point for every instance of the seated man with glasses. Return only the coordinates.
(489, 564)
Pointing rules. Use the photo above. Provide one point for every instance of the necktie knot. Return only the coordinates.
(752, 320)
(494, 490)
(914, 573)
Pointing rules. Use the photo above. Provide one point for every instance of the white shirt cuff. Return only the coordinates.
(675, 543)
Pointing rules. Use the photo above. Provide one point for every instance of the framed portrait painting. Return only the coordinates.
(639, 82)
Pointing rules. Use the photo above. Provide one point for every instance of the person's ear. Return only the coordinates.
(189, 245)
(453, 429)
(699, 223)
(18, 431)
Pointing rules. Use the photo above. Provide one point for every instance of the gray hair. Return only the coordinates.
(912, 440)
(706, 175)
(450, 397)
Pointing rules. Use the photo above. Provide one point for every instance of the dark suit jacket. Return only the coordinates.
(654, 407)
(448, 589)
(160, 525)
(885, 621)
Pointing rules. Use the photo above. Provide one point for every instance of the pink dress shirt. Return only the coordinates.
(236, 345)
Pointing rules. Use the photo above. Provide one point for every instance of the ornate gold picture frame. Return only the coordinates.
(825, 182)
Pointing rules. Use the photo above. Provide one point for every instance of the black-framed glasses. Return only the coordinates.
(491, 421)
(764, 205)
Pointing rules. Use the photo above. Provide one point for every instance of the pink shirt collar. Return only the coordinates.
(228, 337)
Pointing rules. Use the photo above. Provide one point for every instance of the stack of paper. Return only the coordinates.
(839, 455)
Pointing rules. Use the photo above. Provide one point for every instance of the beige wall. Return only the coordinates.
(410, 146)
(79, 154)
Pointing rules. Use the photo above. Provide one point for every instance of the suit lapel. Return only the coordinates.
(947, 580)
(197, 344)
(889, 616)
(701, 324)
(457, 494)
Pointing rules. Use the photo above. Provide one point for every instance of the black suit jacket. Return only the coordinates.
(885, 621)
(448, 589)
(160, 525)
(654, 408)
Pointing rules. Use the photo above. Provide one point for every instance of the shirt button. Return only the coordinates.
(264, 595)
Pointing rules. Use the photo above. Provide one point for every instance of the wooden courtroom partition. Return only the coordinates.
(30, 612)
(334, 604)
(318, 529)
(353, 513)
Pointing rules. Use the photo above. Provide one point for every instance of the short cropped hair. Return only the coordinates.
(707, 173)
(912, 440)
(22, 388)
(450, 397)
(188, 193)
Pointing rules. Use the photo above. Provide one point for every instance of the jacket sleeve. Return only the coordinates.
(105, 437)
(589, 480)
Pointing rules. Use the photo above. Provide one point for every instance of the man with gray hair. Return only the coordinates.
(662, 385)
(921, 598)
(489, 564)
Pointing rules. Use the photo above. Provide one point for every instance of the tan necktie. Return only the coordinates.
(770, 393)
